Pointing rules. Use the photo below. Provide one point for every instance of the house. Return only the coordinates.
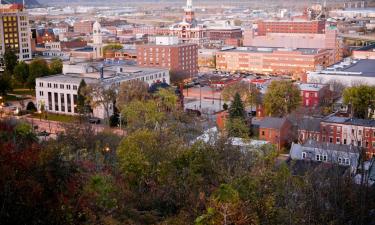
(308, 128)
(277, 131)
(344, 155)
(45, 35)
(314, 95)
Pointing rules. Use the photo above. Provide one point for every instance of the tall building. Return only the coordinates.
(97, 39)
(180, 58)
(83, 27)
(189, 30)
(15, 31)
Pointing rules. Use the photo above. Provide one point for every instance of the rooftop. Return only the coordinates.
(269, 122)
(310, 87)
(352, 121)
(331, 147)
(303, 51)
(368, 48)
(361, 67)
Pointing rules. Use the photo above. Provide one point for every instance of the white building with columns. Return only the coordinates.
(58, 93)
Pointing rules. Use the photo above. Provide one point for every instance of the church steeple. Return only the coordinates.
(189, 12)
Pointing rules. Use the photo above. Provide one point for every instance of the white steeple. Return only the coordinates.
(97, 40)
(189, 5)
(97, 33)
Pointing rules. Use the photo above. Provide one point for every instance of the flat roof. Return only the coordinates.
(310, 87)
(358, 67)
(352, 121)
(368, 48)
(304, 51)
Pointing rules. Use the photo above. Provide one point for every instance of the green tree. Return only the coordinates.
(237, 127)
(249, 93)
(236, 109)
(10, 60)
(281, 98)
(112, 47)
(362, 100)
(5, 83)
(82, 105)
(131, 91)
(21, 72)
(55, 67)
(37, 68)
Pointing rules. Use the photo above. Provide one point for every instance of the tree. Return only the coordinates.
(281, 98)
(55, 67)
(131, 91)
(237, 127)
(37, 68)
(112, 47)
(21, 72)
(10, 60)
(248, 92)
(5, 83)
(100, 95)
(83, 106)
(236, 109)
(362, 100)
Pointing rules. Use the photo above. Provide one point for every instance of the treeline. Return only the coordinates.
(156, 174)
(22, 74)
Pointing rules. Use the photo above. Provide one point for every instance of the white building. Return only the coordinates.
(344, 155)
(348, 72)
(15, 31)
(58, 93)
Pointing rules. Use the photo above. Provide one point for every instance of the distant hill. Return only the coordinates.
(28, 3)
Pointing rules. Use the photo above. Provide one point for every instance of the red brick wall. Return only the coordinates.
(315, 27)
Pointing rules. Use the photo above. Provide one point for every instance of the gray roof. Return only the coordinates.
(270, 122)
(310, 124)
(366, 66)
(332, 147)
(352, 121)
(304, 51)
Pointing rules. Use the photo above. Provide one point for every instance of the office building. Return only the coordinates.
(15, 31)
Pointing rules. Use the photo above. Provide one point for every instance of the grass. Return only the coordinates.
(56, 117)
(23, 92)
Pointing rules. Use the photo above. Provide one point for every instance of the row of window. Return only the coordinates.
(324, 158)
(62, 86)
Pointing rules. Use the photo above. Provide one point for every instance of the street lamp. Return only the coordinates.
(40, 115)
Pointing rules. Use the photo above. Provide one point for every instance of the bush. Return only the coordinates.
(31, 107)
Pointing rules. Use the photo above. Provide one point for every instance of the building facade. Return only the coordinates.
(180, 59)
(15, 31)
(58, 93)
(83, 27)
(273, 60)
(297, 26)
(313, 95)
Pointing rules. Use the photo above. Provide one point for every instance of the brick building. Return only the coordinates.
(180, 59)
(298, 26)
(314, 94)
(83, 27)
(277, 131)
(273, 60)
(224, 33)
(344, 131)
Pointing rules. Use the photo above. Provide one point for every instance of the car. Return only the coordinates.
(94, 120)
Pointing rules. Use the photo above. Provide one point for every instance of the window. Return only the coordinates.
(330, 139)
(40, 93)
(337, 140)
(303, 155)
(360, 132)
(263, 133)
(318, 157)
(344, 141)
(346, 161)
(56, 101)
(61, 86)
(325, 157)
(40, 84)
(359, 143)
(54, 85)
(62, 99)
(339, 160)
(74, 87)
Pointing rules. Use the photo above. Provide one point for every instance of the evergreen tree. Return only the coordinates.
(10, 60)
(236, 110)
(21, 72)
(81, 99)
